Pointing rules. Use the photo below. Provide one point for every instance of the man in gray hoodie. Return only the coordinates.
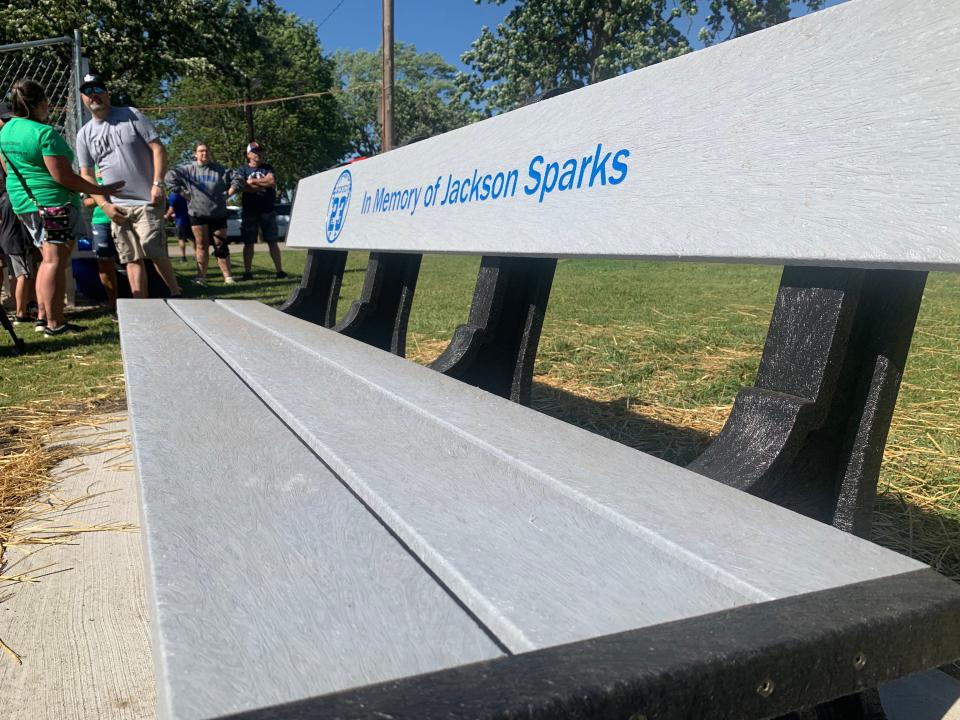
(206, 185)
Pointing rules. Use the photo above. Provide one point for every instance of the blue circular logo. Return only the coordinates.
(339, 203)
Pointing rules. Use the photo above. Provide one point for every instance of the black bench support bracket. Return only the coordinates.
(810, 434)
(316, 298)
(496, 349)
(380, 316)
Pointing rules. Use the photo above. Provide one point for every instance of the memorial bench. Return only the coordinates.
(333, 531)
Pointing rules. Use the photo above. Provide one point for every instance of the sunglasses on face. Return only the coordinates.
(90, 91)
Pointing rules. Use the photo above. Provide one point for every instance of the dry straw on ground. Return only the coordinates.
(31, 512)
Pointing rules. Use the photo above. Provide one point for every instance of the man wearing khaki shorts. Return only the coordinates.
(124, 145)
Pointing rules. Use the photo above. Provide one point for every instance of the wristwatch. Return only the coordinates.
(158, 183)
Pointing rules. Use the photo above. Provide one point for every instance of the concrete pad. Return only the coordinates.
(82, 632)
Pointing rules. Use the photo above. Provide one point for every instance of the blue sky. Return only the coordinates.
(446, 27)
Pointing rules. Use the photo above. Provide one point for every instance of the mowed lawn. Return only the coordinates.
(650, 354)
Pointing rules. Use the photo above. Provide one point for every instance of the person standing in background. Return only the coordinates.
(177, 209)
(15, 244)
(105, 249)
(259, 215)
(125, 145)
(43, 191)
(206, 185)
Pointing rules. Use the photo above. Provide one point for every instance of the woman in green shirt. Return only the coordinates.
(38, 164)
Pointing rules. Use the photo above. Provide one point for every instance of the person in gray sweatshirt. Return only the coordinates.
(206, 185)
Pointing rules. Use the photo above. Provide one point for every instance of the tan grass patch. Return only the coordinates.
(423, 350)
(648, 424)
(918, 505)
(715, 363)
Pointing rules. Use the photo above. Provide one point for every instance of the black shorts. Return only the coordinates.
(254, 224)
(184, 232)
(103, 244)
(214, 223)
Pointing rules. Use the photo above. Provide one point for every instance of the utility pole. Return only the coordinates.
(248, 113)
(386, 98)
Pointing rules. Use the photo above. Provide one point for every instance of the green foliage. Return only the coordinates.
(193, 52)
(544, 45)
(136, 44)
(740, 17)
(427, 100)
(280, 57)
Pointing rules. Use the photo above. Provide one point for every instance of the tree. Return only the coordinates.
(746, 16)
(136, 44)
(427, 100)
(280, 57)
(205, 52)
(544, 45)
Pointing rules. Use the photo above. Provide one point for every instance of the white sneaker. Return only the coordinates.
(229, 280)
(200, 281)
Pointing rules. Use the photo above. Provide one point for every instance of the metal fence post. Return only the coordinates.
(77, 72)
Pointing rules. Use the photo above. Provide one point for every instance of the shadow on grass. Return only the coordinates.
(266, 289)
(89, 339)
(612, 419)
(98, 332)
(924, 534)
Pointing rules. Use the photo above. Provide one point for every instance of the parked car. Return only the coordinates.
(233, 221)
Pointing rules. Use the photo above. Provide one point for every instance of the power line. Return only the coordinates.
(240, 104)
(329, 14)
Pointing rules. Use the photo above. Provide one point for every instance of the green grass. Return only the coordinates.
(85, 366)
(627, 347)
(689, 333)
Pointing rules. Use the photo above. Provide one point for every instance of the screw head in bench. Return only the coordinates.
(859, 661)
(765, 689)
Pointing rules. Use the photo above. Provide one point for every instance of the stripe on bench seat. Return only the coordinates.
(268, 581)
(548, 533)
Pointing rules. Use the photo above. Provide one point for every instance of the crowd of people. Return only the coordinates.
(124, 180)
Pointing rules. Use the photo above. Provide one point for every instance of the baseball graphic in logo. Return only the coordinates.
(339, 203)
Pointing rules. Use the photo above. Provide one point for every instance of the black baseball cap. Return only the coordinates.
(255, 147)
(92, 80)
(5, 112)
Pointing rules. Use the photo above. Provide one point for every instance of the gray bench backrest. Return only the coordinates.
(829, 140)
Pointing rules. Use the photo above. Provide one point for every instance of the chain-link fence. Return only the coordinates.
(53, 63)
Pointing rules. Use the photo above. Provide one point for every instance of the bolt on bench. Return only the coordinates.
(373, 538)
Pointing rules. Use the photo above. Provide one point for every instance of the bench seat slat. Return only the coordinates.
(520, 524)
(269, 581)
